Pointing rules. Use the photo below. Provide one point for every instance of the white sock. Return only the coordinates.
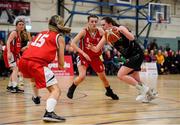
(50, 104)
(9, 84)
(138, 86)
(14, 84)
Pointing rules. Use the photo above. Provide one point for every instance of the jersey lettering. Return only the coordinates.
(40, 40)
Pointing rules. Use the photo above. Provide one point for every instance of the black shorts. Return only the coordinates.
(135, 61)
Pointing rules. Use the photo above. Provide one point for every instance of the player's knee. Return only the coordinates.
(54, 89)
(120, 76)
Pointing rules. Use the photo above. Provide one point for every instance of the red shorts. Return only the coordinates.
(9, 63)
(95, 63)
(42, 75)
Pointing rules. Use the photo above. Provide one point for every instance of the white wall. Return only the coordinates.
(42, 10)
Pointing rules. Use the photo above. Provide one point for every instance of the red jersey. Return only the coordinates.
(43, 48)
(15, 46)
(88, 38)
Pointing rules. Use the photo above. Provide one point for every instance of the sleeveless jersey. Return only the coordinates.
(89, 39)
(127, 48)
(15, 46)
(43, 48)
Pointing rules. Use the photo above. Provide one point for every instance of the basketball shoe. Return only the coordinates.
(71, 91)
(143, 91)
(52, 117)
(36, 100)
(151, 95)
(112, 95)
(16, 90)
(9, 88)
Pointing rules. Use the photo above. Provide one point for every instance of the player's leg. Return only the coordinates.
(98, 67)
(9, 86)
(50, 83)
(152, 93)
(123, 74)
(82, 74)
(109, 91)
(14, 77)
(35, 97)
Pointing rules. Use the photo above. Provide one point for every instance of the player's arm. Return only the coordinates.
(60, 53)
(11, 37)
(99, 46)
(76, 40)
(126, 32)
(101, 31)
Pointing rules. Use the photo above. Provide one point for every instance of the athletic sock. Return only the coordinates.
(50, 104)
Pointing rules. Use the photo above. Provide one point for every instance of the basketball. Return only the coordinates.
(112, 35)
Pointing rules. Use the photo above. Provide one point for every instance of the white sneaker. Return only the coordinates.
(151, 95)
(143, 92)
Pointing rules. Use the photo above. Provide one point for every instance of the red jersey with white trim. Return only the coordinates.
(43, 48)
(15, 46)
(88, 38)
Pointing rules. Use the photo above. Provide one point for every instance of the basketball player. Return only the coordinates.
(12, 54)
(87, 57)
(34, 62)
(130, 49)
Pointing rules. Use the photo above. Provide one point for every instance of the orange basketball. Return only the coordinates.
(112, 35)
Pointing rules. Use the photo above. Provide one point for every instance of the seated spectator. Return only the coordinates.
(173, 69)
(147, 58)
(108, 62)
(152, 56)
(160, 61)
(178, 60)
(167, 63)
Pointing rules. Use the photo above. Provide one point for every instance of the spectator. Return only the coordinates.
(147, 58)
(152, 56)
(108, 62)
(167, 62)
(160, 61)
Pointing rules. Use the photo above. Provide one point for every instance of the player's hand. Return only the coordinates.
(61, 67)
(86, 57)
(89, 46)
(114, 28)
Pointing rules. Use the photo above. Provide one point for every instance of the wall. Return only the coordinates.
(42, 10)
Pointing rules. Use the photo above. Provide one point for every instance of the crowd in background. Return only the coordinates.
(167, 60)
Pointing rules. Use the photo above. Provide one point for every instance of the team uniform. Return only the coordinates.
(132, 51)
(15, 48)
(34, 61)
(95, 62)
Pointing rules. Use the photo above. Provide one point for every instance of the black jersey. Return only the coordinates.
(126, 47)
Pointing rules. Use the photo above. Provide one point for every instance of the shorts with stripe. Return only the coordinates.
(42, 75)
(9, 63)
(95, 63)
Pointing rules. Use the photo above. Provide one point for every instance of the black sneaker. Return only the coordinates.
(112, 95)
(71, 91)
(9, 88)
(36, 100)
(16, 90)
(52, 117)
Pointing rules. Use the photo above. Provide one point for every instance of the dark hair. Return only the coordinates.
(92, 16)
(110, 20)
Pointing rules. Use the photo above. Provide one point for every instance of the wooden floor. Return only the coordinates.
(91, 106)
